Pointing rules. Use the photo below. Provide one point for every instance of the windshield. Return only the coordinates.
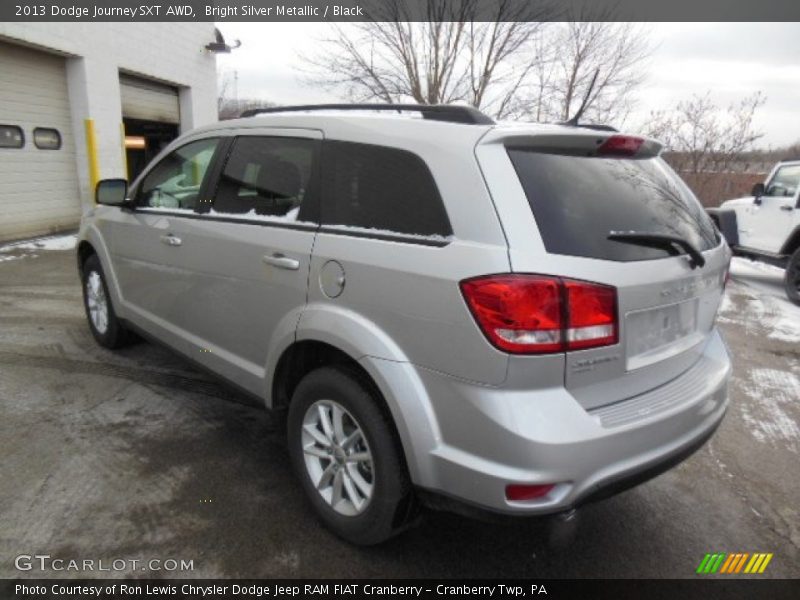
(785, 181)
(578, 201)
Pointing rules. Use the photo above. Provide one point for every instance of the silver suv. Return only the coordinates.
(516, 318)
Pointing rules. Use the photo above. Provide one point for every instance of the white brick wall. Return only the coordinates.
(170, 52)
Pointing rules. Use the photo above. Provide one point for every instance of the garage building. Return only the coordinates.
(81, 102)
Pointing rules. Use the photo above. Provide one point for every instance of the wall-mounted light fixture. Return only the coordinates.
(219, 46)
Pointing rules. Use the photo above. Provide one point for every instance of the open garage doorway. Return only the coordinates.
(151, 117)
(143, 141)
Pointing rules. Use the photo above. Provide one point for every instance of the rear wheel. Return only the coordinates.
(347, 457)
(103, 322)
(791, 280)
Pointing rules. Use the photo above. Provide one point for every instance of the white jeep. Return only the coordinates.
(766, 225)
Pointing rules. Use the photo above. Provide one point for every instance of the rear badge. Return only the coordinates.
(588, 364)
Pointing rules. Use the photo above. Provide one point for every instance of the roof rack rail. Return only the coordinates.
(434, 112)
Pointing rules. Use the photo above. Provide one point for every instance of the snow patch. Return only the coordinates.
(252, 215)
(774, 394)
(740, 267)
(777, 316)
(59, 242)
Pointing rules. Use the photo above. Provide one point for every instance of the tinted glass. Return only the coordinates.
(785, 181)
(578, 201)
(175, 182)
(46, 138)
(266, 177)
(11, 136)
(373, 187)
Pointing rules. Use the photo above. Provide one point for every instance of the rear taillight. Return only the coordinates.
(592, 315)
(620, 145)
(533, 314)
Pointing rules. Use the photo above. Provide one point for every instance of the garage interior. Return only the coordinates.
(150, 117)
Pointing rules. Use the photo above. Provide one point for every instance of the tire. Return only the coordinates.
(358, 517)
(791, 279)
(103, 322)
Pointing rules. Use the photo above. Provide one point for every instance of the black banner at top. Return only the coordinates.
(398, 10)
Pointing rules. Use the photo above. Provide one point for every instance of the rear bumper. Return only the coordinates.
(489, 438)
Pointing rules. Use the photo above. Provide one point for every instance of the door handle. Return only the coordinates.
(787, 207)
(281, 261)
(171, 240)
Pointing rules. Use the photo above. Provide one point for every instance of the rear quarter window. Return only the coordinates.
(378, 188)
(578, 201)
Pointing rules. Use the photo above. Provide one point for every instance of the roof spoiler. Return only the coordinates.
(585, 143)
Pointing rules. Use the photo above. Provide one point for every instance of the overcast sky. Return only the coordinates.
(732, 60)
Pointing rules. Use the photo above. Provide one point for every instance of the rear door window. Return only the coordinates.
(578, 201)
(379, 188)
(266, 178)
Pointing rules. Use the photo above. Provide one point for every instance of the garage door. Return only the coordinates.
(38, 173)
(148, 101)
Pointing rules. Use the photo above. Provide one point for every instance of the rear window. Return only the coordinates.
(386, 189)
(578, 201)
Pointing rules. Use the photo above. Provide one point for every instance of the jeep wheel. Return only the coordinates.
(103, 322)
(347, 457)
(791, 280)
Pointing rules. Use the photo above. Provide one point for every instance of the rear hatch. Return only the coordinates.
(610, 211)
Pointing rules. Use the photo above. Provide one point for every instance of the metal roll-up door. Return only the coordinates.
(148, 100)
(39, 191)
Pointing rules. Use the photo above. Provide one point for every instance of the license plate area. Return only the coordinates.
(656, 334)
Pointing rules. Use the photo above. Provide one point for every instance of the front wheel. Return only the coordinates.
(346, 454)
(791, 280)
(103, 322)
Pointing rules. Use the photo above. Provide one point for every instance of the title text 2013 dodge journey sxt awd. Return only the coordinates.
(517, 318)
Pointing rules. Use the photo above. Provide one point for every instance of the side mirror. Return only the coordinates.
(111, 192)
(757, 191)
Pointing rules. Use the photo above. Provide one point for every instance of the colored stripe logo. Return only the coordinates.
(737, 562)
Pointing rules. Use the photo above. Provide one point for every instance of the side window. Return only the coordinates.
(785, 181)
(373, 187)
(266, 177)
(175, 182)
(11, 136)
(46, 138)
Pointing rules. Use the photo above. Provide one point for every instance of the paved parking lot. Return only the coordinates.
(136, 455)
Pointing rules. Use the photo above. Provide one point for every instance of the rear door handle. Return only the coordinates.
(282, 261)
(171, 240)
(787, 207)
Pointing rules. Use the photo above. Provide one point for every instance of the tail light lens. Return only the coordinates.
(592, 315)
(532, 314)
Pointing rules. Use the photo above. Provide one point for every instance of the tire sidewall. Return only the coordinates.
(789, 285)
(111, 338)
(376, 523)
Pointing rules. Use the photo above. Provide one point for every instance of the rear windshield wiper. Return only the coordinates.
(658, 240)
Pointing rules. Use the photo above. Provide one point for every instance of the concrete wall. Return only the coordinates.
(173, 53)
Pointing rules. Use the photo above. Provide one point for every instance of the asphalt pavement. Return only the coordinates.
(135, 455)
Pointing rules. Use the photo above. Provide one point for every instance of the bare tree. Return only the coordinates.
(466, 52)
(568, 57)
(703, 140)
(502, 57)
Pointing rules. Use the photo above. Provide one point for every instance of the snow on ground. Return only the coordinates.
(56, 242)
(755, 300)
(760, 301)
(772, 393)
